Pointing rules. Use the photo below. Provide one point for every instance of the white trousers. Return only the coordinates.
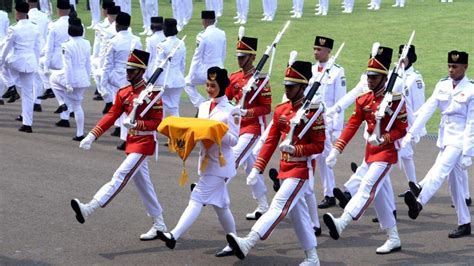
(24, 82)
(349, 4)
(324, 6)
(95, 11)
(149, 8)
(326, 173)
(289, 200)
(310, 199)
(298, 6)
(447, 165)
(212, 190)
(135, 167)
(45, 6)
(45, 76)
(244, 156)
(171, 98)
(194, 96)
(406, 156)
(242, 9)
(375, 186)
(125, 6)
(37, 88)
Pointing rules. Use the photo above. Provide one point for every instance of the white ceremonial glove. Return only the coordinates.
(406, 140)
(69, 89)
(128, 123)
(243, 112)
(335, 134)
(331, 111)
(375, 141)
(288, 148)
(332, 157)
(466, 161)
(87, 142)
(252, 178)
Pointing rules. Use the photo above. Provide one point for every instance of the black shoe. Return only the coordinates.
(193, 185)
(63, 123)
(122, 146)
(317, 230)
(71, 114)
(9, 92)
(107, 108)
(26, 129)
(469, 201)
(327, 202)
(462, 230)
(342, 197)
(61, 108)
(169, 242)
(19, 118)
(354, 167)
(75, 207)
(223, 253)
(402, 195)
(273, 174)
(2, 102)
(415, 188)
(15, 96)
(96, 92)
(116, 132)
(78, 138)
(331, 226)
(98, 98)
(414, 207)
(37, 108)
(48, 93)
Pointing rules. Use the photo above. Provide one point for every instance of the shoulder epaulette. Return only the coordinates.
(338, 66)
(396, 96)
(364, 93)
(443, 79)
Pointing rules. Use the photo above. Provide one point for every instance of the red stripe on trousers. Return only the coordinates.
(251, 142)
(372, 192)
(284, 211)
(125, 180)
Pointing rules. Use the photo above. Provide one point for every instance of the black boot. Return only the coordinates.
(342, 197)
(37, 108)
(415, 188)
(9, 92)
(414, 207)
(327, 202)
(107, 108)
(61, 108)
(63, 123)
(116, 132)
(273, 174)
(462, 230)
(26, 129)
(15, 96)
(122, 146)
(48, 93)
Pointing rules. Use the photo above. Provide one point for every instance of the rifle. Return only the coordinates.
(255, 77)
(146, 93)
(314, 85)
(388, 96)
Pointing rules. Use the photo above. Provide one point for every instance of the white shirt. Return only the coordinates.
(175, 67)
(76, 62)
(151, 47)
(56, 37)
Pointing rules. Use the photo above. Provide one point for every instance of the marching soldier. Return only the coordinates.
(152, 41)
(141, 141)
(175, 68)
(71, 82)
(295, 170)
(454, 96)
(380, 155)
(253, 118)
(19, 57)
(211, 189)
(332, 89)
(210, 51)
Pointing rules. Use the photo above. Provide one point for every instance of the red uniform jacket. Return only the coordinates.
(312, 142)
(365, 109)
(260, 106)
(136, 143)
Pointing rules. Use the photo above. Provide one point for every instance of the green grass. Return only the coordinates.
(440, 27)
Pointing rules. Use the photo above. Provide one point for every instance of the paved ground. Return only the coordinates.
(41, 172)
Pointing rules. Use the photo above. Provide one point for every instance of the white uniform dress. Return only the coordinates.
(20, 56)
(210, 51)
(71, 82)
(41, 20)
(151, 43)
(455, 140)
(173, 72)
(211, 189)
(333, 88)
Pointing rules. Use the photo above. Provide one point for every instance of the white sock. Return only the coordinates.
(188, 217)
(226, 219)
(79, 117)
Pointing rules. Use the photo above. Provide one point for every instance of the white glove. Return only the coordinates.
(128, 123)
(87, 142)
(374, 140)
(331, 111)
(332, 157)
(252, 178)
(406, 140)
(466, 161)
(69, 89)
(288, 148)
(335, 134)
(243, 112)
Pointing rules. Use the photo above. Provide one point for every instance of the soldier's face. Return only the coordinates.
(294, 92)
(243, 61)
(457, 71)
(321, 54)
(134, 75)
(212, 88)
(375, 82)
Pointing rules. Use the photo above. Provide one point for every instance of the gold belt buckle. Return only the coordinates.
(285, 156)
(132, 132)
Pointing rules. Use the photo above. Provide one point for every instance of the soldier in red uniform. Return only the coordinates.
(253, 114)
(295, 169)
(380, 154)
(141, 142)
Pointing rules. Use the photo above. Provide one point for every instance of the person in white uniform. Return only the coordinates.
(323, 8)
(73, 80)
(332, 89)
(211, 189)
(172, 78)
(242, 11)
(216, 6)
(20, 56)
(348, 6)
(95, 12)
(151, 44)
(297, 8)
(149, 9)
(454, 96)
(125, 6)
(211, 45)
(269, 9)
